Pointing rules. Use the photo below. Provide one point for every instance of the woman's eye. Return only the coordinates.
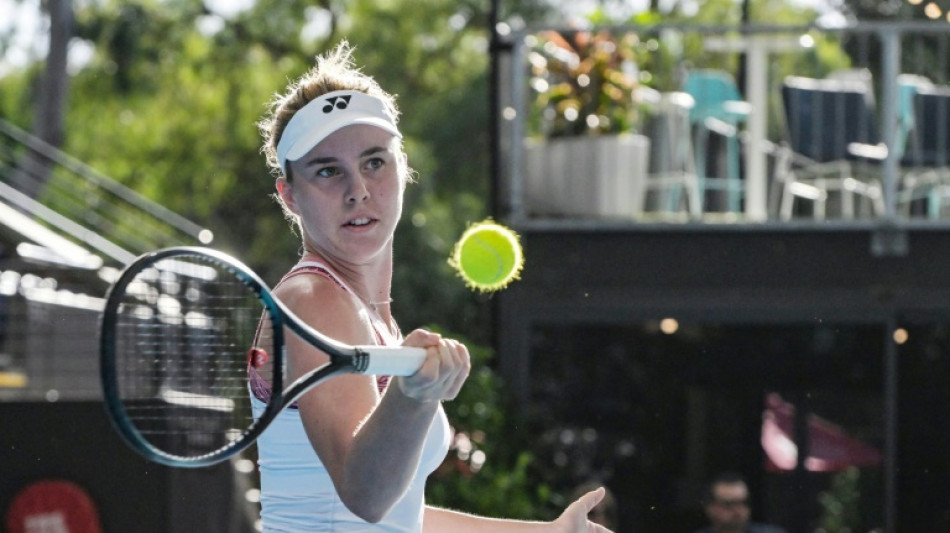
(375, 163)
(327, 172)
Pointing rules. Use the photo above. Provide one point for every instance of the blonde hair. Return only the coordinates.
(333, 71)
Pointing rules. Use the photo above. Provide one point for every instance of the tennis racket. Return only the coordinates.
(182, 331)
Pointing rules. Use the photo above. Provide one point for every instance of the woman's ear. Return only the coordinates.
(406, 176)
(285, 192)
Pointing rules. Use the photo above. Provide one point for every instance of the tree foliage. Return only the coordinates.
(169, 102)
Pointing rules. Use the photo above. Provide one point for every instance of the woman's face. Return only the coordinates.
(347, 192)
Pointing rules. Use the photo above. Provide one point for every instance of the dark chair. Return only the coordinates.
(831, 129)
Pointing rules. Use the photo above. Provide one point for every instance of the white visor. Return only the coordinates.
(325, 115)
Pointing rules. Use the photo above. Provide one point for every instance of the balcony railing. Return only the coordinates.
(81, 204)
(714, 124)
(65, 229)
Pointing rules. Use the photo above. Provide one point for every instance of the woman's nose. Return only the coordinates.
(357, 192)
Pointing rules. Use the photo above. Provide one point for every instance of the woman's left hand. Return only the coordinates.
(574, 518)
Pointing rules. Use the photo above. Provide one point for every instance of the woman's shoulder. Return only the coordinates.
(321, 301)
(308, 287)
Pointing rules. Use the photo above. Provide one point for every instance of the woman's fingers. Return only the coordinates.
(461, 365)
(574, 518)
(422, 338)
(444, 372)
(452, 367)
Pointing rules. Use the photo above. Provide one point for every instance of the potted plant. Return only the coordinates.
(583, 156)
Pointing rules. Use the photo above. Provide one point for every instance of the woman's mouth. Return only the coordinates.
(359, 222)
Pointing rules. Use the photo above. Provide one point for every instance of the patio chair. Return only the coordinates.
(907, 87)
(672, 171)
(855, 75)
(926, 161)
(719, 109)
(831, 129)
(922, 172)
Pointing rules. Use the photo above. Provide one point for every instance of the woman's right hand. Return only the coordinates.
(444, 371)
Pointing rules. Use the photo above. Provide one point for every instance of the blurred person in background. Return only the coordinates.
(726, 503)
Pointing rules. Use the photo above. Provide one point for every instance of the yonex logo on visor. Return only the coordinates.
(337, 102)
(325, 115)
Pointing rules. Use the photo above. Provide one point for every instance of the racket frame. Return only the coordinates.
(343, 358)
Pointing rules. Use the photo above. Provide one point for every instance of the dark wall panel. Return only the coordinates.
(75, 441)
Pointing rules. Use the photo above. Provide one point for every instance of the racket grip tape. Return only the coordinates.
(393, 361)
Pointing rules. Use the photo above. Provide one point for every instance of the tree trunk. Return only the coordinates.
(51, 97)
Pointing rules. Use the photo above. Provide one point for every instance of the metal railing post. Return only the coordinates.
(890, 67)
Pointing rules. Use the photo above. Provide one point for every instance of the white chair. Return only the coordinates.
(672, 177)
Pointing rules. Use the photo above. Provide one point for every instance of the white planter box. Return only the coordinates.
(601, 176)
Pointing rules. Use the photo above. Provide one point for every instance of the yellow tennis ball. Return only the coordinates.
(488, 256)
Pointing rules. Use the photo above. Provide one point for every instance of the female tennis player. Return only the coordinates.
(355, 452)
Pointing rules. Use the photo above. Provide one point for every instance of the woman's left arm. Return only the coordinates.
(572, 520)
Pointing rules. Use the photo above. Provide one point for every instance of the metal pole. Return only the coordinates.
(494, 111)
(891, 383)
(890, 41)
(757, 94)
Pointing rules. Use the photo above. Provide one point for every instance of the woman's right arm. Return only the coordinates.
(371, 446)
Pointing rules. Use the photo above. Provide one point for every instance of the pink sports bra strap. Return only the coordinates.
(260, 387)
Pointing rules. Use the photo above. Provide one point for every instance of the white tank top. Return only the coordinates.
(297, 494)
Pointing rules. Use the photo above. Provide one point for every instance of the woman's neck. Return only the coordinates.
(371, 281)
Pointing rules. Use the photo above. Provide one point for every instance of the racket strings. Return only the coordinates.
(183, 333)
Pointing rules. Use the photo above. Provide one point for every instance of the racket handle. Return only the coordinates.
(393, 361)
